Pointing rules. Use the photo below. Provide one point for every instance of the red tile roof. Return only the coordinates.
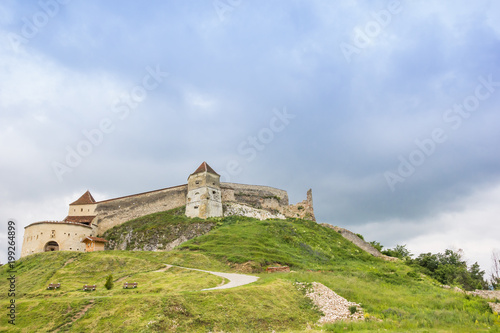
(204, 167)
(85, 199)
(80, 219)
(95, 239)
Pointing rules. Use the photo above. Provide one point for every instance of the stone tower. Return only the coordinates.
(204, 193)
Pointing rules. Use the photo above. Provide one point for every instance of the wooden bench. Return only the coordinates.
(54, 285)
(285, 269)
(127, 285)
(89, 287)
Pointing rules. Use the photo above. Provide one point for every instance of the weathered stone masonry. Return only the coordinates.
(204, 196)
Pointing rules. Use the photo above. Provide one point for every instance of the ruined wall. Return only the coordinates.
(268, 198)
(349, 235)
(302, 210)
(68, 236)
(117, 211)
(260, 197)
(233, 208)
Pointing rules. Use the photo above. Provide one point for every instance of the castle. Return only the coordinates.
(204, 196)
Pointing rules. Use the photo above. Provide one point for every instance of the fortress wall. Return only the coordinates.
(261, 197)
(117, 211)
(303, 210)
(68, 236)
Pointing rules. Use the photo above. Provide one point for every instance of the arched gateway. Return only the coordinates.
(51, 246)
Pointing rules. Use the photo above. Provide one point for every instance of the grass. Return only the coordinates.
(394, 297)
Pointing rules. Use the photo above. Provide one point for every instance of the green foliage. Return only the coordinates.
(109, 282)
(400, 251)
(449, 268)
(353, 309)
(360, 236)
(297, 243)
(395, 296)
(377, 245)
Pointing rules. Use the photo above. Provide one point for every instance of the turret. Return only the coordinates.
(204, 193)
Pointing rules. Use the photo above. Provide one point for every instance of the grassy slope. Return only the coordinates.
(172, 300)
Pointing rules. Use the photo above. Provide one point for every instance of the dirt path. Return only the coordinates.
(78, 315)
(235, 280)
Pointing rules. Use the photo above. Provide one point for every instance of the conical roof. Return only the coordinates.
(204, 167)
(85, 199)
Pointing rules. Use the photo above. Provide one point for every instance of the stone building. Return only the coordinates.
(204, 196)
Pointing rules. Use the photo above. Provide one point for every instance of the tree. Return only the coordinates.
(400, 251)
(109, 282)
(495, 270)
(377, 245)
(450, 268)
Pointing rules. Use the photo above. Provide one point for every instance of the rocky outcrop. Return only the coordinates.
(155, 239)
(353, 238)
(232, 208)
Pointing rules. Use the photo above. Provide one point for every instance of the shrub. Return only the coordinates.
(353, 309)
(109, 282)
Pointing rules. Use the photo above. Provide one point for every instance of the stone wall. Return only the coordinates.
(82, 210)
(302, 210)
(353, 238)
(117, 211)
(233, 208)
(268, 198)
(256, 196)
(68, 236)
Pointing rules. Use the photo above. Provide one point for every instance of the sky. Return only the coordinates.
(388, 110)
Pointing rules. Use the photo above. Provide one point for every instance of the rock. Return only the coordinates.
(333, 306)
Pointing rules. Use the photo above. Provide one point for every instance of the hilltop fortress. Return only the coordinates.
(204, 196)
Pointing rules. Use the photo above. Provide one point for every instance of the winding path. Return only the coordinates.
(235, 280)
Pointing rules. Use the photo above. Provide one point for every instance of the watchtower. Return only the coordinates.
(204, 193)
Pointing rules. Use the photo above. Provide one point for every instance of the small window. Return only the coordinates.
(213, 192)
(195, 207)
(81, 210)
(197, 182)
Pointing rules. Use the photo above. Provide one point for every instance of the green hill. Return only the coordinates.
(393, 296)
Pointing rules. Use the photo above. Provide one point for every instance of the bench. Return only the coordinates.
(127, 285)
(54, 285)
(89, 287)
(278, 269)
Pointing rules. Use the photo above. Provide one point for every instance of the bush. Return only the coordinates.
(353, 309)
(109, 282)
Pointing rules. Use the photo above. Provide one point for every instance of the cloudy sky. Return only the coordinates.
(388, 110)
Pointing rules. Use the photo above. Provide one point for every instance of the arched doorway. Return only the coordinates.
(51, 246)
